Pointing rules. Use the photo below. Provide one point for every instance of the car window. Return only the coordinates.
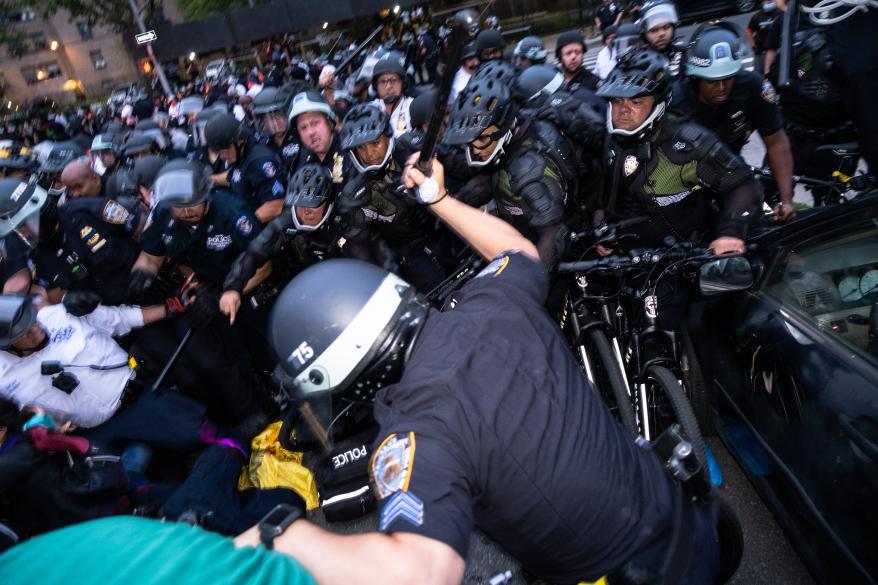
(833, 281)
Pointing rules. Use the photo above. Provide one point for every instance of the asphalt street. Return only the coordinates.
(768, 556)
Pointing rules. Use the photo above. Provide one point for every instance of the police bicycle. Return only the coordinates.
(648, 370)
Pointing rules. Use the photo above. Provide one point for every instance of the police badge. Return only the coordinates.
(630, 165)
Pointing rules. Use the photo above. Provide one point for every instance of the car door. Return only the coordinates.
(806, 344)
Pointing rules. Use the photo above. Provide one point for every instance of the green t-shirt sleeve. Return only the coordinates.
(127, 550)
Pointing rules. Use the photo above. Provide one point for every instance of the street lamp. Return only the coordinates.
(53, 45)
(192, 56)
(325, 24)
(396, 9)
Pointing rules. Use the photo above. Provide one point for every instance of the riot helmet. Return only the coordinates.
(20, 205)
(570, 37)
(310, 188)
(715, 51)
(656, 13)
(182, 183)
(536, 83)
(17, 316)
(394, 63)
(343, 330)
(531, 49)
(223, 131)
(490, 44)
(270, 105)
(637, 74)
(310, 101)
(364, 124)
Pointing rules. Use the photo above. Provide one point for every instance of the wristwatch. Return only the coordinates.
(276, 523)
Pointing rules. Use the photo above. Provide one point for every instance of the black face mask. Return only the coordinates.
(392, 100)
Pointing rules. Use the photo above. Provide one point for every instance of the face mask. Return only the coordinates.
(768, 6)
(391, 100)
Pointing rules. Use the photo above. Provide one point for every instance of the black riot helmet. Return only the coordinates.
(122, 184)
(389, 62)
(532, 49)
(422, 108)
(17, 315)
(59, 156)
(536, 83)
(570, 37)
(638, 73)
(469, 19)
(715, 51)
(489, 39)
(20, 206)
(139, 144)
(363, 124)
(182, 183)
(498, 71)
(223, 131)
(311, 186)
(270, 99)
(343, 330)
(147, 169)
(482, 103)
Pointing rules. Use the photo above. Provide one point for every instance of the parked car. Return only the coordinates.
(793, 363)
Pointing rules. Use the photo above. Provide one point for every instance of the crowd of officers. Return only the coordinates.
(203, 212)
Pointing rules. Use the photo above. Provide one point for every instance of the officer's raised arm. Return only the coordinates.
(486, 234)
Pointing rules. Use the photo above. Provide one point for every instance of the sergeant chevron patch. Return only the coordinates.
(405, 506)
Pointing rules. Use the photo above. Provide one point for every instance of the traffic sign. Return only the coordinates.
(146, 37)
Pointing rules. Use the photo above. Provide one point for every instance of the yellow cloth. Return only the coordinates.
(272, 466)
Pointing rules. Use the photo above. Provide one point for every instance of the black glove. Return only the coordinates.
(206, 306)
(140, 282)
(79, 303)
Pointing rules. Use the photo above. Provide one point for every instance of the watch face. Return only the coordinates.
(849, 289)
(869, 283)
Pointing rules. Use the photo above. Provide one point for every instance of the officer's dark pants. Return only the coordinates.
(215, 368)
(211, 493)
(166, 420)
(859, 96)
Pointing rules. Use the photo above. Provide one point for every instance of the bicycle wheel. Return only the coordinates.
(609, 378)
(701, 396)
(668, 404)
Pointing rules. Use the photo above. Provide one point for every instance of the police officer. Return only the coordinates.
(81, 181)
(452, 392)
(529, 51)
(271, 106)
(758, 29)
(106, 152)
(314, 122)
(390, 84)
(20, 204)
(531, 165)
(254, 168)
(658, 26)
(19, 164)
(669, 170)
(204, 230)
(732, 103)
(301, 236)
(570, 51)
(379, 222)
(490, 45)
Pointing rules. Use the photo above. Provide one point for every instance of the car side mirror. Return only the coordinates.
(725, 275)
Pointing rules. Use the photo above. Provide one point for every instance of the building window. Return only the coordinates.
(35, 74)
(97, 58)
(84, 30)
(38, 41)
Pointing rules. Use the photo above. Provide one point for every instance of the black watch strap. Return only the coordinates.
(276, 523)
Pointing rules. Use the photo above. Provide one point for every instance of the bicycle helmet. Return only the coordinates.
(638, 73)
(482, 103)
(715, 51)
(497, 70)
(363, 124)
(311, 186)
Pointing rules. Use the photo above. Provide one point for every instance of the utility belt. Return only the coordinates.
(826, 135)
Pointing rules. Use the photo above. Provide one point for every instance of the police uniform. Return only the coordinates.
(257, 178)
(752, 105)
(505, 433)
(583, 79)
(335, 160)
(289, 152)
(14, 253)
(400, 117)
(210, 247)
(98, 235)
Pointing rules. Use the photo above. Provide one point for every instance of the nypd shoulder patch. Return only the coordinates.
(402, 506)
(115, 213)
(243, 225)
(269, 170)
(391, 466)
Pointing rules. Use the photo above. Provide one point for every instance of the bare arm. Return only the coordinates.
(153, 314)
(486, 234)
(269, 210)
(770, 56)
(780, 158)
(148, 263)
(401, 558)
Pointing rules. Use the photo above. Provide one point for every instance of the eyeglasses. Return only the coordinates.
(390, 81)
(485, 139)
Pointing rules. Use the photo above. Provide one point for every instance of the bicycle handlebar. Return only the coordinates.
(639, 258)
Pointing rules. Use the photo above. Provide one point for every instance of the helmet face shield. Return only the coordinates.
(274, 122)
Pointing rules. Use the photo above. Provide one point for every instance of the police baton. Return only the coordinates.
(362, 47)
(788, 31)
(183, 343)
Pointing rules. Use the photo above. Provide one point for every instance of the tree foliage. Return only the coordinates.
(194, 9)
